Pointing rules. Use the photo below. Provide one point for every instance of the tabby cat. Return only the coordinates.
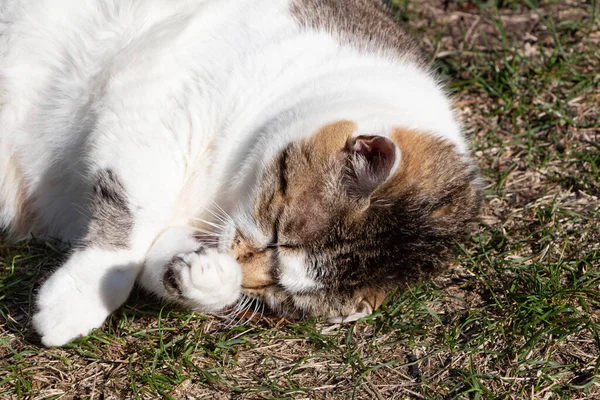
(297, 152)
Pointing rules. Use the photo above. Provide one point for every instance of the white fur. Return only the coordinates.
(185, 100)
(210, 281)
(174, 240)
(81, 294)
(294, 276)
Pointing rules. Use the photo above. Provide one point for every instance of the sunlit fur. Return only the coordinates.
(340, 251)
(156, 135)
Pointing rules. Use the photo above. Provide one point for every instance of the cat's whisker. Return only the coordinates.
(235, 312)
(221, 218)
(210, 233)
(215, 224)
(222, 223)
(212, 224)
(221, 210)
(248, 320)
(244, 310)
(260, 308)
(235, 319)
(262, 311)
(231, 311)
(237, 307)
(228, 317)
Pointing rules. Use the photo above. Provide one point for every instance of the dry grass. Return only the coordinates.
(516, 317)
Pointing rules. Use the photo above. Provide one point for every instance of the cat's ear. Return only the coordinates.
(372, 160)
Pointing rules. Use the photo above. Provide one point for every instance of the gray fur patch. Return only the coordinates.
(111, 219)
(170, 278)
(365, 24)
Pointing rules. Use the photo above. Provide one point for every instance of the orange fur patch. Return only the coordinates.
(331, 138)
(256, 266)
(424, 163)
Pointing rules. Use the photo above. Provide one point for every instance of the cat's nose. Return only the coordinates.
(256, 266)
(256, 270)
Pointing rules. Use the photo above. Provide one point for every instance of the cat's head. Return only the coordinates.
(338, 220)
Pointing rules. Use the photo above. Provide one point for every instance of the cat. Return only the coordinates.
(296, 152)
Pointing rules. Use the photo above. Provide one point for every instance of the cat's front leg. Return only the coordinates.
(180, 269)
(204, 280)
(82, 293)
(100, 273)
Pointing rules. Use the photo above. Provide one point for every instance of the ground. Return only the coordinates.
(516, 316)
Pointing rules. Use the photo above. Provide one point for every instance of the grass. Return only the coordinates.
(518, 314)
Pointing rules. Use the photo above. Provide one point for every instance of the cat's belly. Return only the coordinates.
(57, 67)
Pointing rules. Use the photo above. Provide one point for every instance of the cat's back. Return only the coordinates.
(58, 56)
(227, 66)
(368, 25)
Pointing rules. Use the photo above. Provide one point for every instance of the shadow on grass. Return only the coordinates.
(25, 265)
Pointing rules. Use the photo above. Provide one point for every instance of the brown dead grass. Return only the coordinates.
(464, 335)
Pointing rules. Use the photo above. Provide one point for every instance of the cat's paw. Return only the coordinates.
(67, 310)
(205, 279)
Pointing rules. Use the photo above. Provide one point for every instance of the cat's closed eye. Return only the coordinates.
(288, 246)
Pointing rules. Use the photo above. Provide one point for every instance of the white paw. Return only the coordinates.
(67, 309)
(205, 279)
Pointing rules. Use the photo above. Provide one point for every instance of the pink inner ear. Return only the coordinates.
(379, 151)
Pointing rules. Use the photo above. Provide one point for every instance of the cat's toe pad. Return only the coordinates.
(205, 279)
